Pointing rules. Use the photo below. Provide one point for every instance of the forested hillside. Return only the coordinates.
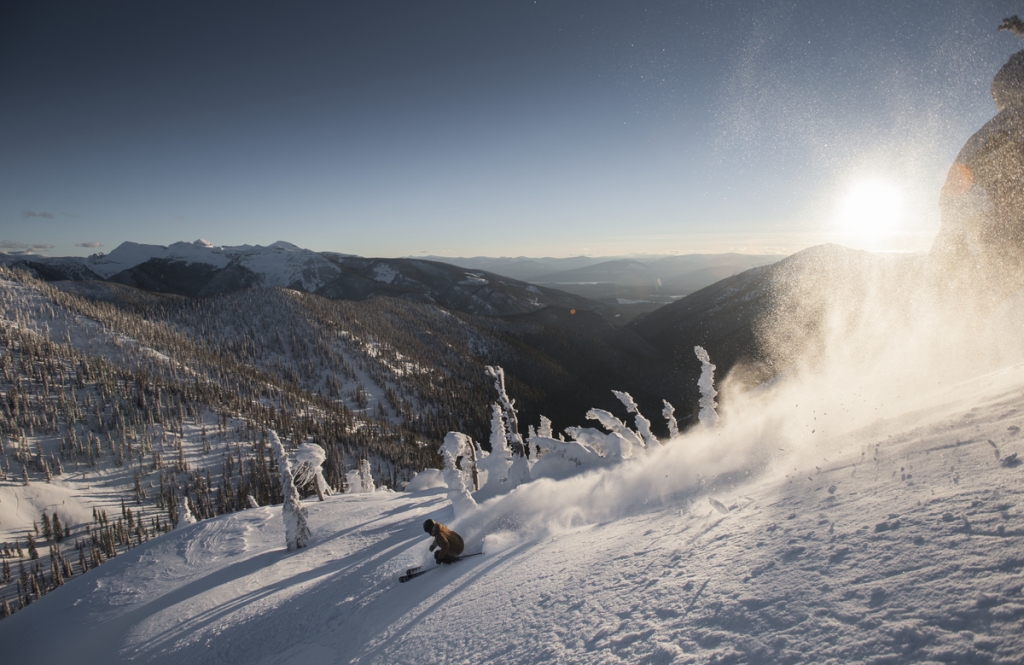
(122, 408)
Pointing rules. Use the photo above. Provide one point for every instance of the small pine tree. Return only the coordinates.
(32, 552)
(58, 530)
(47, 527)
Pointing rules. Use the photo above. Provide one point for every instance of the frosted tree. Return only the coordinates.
(615, 426)
(496, 463)
(293, 513)
(643, 426)
(608, 420)
(366, 476)
(668, 413)
(185, 516)
(536, 435)
(454, 446)
(706, 383)
(545, 428)
(508, 411)
(310, 457)
(519, 472)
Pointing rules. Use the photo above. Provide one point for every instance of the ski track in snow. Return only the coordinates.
(908, 549)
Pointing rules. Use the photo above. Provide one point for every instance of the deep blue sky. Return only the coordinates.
(498, 128)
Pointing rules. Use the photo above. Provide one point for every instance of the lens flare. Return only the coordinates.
(870, 215)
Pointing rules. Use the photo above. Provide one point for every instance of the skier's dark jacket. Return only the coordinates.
(447, 540)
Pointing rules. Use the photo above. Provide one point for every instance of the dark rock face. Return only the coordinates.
(982, 201)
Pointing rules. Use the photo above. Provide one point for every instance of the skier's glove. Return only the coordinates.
(433, 546)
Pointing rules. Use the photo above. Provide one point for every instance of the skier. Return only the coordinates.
(448, 543)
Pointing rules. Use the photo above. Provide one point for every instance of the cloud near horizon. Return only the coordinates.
(20, 247)
(91, 245)
(44, 214)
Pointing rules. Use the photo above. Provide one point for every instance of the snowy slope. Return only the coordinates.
(199, 269)
(904, 545)
(130, 254)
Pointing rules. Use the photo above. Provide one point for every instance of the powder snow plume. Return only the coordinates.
(854, 340)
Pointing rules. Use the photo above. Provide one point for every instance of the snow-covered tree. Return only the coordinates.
(495, 464)
(615, 426)
(607, 420)
(545, 428)
(455, 445)
(706, 383)
(309, 458)
(366, 476)
(643, 426)
(511, 418)
(185, 516)
(293, 513)
(519, 472)
(669, 414)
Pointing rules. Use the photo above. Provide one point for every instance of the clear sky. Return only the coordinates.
(485, 127)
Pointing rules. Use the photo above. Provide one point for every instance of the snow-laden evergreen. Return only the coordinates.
(519, 470)
(185, 514)
(293, 512)
(668, 413)
(309, 470)
(708, 416)
(643, 426)
(457, 445)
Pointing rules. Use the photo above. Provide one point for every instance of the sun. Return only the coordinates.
(870, 214)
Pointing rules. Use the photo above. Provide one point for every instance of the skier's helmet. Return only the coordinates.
(428, 526)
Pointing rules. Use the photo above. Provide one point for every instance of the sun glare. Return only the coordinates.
(870, 215)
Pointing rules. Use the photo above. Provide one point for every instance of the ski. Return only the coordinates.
(466, 556)
(409, 574)
(418, 570)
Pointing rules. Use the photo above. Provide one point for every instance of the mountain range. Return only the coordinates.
(199, 269)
